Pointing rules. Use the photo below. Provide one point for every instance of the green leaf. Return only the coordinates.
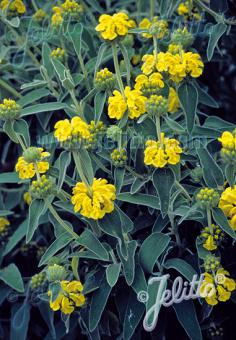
(128, 262)
(5, 213)
(215, 34)
(46, 107)
(141, 199)
(64, 162)
(8, 128)
(36, 209)
(230, 174)
(186, 315)
(20, 322)
(137, 185)
(22, 128)
(212, 173)
(98, 303)
(102, 49)
(12, 277)
(182, 267)
(9, 177)
(222, 221)
(202, 252)
(119, 174)
(112, 273)
(152, 247)
(127, 61)
(75, 37)
(46, 56)
(33, 96)
(204, 97)
(163, 180)
(57, 245)
(99, 102)
(188, 97)
(133, 314)
(16, 237)
(91, 242)
(86, 164)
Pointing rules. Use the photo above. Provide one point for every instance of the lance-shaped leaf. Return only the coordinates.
(188, 97)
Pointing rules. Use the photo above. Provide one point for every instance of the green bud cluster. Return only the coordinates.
(32, 154)
(216, 332)
(96, 131)
(119, 157)
(42, 189)
(196, 174)
(211, 263)
(56, 273)
(182, 37)
(157, 105)
(114, 133)
(215, 232)
(104, 80)
(38, 281)
(208, 198)
(9, 110)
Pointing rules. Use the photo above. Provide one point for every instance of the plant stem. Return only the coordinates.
(84, 71)
(135, 174)
(76, 103)
(9, 88)
(215, 15)
(183, 190)
(158, 127)
(117, 69)
(37, 172)
(152, 8)
(61, 222)
(155, 45)
(209, 220)
(80, 171)
(34, 5)
(21, 142)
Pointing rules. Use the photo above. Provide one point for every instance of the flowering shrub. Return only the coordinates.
(114, 170)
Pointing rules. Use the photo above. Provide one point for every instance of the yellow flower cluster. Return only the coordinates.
(211, 237)
(228, 151)
(39, 15)
(217, 287)
(113, 26)
(188, 11)
(119, 157)
(71, 6)
(73, 130)
(228, 205)
(27, 170)
(156, 27)
(94, 202)
(208, 197)
(149, 85)
(177, 66)
(15, 6)
(9, 109)
(68, 298)
(58, 53)
(133, 101)
(41, 189)
(27, 198)
(4, 223)
(173, 101)
(97, 131)
(160, 154)
(57, 18)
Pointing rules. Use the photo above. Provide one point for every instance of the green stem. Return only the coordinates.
(76, 103)
(34, 5)
(84, 71)
(152, 8)
(117, 69)
(21, 142)
(215, 15)
(155, 45)
(135, 174)
(61, 222)
(113, 256)
(158, 127)
(80, 171)
(9, 88)
(37, 172)
(209, 220)
(183, 190)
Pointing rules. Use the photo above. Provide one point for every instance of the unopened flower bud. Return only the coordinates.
(56, 273)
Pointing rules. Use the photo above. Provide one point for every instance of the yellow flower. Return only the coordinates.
(182, 9)
(133, 101)
(9, 109)
(149, 85)
(227, 204)
(66, 130)
(96, 201)
(39, 15)
(160, 155)
(57, 17)
(27, 170)
(58, 53)
(173, 99)
(27, 197)
(68, 298)
(149, 64)
(212, 237)
(217, 288)
(104, 80)
(4, 223)
(71, 6)
(112, 26)
(16, 6)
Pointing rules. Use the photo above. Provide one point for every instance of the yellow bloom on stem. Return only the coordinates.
(149, 85)
(149, 64)
(65, 130)
(182, 9)
(71, 6)
(217, 287)
(133, 101)
(68, 298)
(27, 170)
(39, 15)
(173, 101)
(96, 201)
(227, 204)
(27, 197)
(4, 223)
(157, 27)
(57, 18)
(112, 26)
(16, 6)
(159, 155)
